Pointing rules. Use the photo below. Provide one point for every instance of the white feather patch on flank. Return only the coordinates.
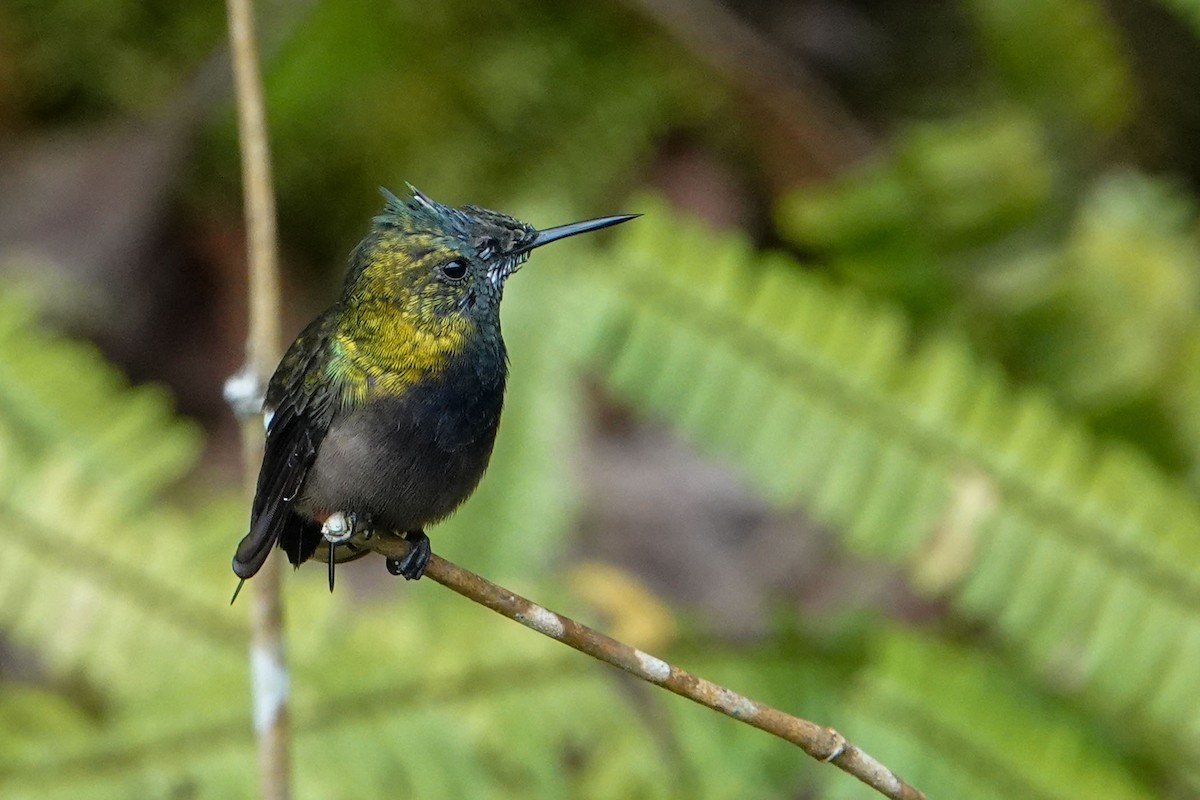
(268, 415)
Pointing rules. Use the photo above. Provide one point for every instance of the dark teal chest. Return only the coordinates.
(411, 459)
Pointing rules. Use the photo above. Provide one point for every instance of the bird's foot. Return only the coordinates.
(412, 565)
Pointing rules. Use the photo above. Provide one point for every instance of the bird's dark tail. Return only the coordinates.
(300, 538)
(289, 453)
(255, 546)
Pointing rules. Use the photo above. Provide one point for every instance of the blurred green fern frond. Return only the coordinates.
(120, 600)
(1079, 556)
(964, 723)
(1078, 278)
(90, 577)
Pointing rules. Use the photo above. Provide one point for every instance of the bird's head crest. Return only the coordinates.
(447, 259)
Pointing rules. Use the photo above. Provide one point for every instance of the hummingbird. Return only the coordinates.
(383, 412)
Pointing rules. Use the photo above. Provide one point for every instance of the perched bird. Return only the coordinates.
(383, 412)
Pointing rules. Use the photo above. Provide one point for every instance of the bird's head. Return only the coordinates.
(442, 262)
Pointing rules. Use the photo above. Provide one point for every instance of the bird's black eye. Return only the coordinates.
(455, 270)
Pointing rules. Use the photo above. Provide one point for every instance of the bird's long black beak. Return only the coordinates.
(563, 231)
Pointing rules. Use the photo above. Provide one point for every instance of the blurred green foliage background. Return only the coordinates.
(885, 412)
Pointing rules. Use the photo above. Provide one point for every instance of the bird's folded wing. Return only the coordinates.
(290, 451)
(300, 414)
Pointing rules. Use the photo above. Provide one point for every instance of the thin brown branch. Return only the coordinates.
(244, 391)
(822, 743)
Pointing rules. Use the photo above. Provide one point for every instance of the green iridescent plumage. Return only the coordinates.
(383, 412)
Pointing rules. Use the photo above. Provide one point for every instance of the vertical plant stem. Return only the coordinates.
(269, 679)
(262, 340)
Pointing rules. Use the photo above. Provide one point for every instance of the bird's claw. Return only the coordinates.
(412, 565)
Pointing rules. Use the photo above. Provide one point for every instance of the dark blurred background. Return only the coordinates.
(1020, 176)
